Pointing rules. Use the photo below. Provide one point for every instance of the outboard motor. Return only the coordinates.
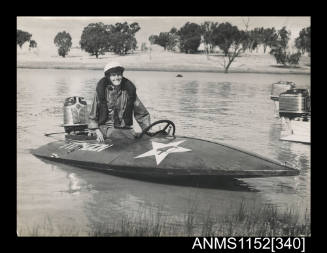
(280, 87)
(276, 90)
(75, 115)
(295, 103)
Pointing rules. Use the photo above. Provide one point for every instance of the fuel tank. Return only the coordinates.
(294, 103)
(280, 87)
(75, 114)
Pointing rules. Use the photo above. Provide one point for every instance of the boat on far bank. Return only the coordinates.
(293, 107)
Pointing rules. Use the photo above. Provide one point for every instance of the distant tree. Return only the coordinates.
(279, 49)
(144, 47)
(163, 40)
(173, 41)
(173, 30)
(167, 40)
(63, 41)
(294, 59)
(284, 57)
(152, 39)
(121, 43)
(280, 55)
(189, 37)
(121, 38)
(94, 39)
(33, 44)
(22, 37)
(249, 43)
(303, 41)
(231, 41)
(207, 29)
(225, 35)
(254, 39)
(269, 36)
(134, 28)
(283, 37)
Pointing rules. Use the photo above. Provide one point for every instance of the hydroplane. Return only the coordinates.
(161, 156)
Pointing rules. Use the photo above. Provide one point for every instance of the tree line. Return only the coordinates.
(99, 38)
(189, 37)
(232, 41)
(96, 39)
(23, 37)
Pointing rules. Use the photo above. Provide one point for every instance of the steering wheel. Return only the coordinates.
(162, 131)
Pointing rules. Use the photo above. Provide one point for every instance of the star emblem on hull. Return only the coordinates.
(161, 150)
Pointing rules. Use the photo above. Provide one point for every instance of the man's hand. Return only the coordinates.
(150, 134)
(91, 132)
(135, 134)
(99, 135)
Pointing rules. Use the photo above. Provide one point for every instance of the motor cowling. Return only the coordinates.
(280, 87)
(294, 103)
(75, 114)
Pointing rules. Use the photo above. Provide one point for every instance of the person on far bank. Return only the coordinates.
(114, 105)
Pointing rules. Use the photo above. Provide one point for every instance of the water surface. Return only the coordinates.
(229, 108)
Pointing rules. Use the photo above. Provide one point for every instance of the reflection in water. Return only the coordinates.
(116, 198)
(74, 186)
(188, 96)
(234, 109)
(224, 89)
(223, 183)
(222, 97)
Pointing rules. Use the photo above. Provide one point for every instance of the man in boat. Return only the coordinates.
(114, 104)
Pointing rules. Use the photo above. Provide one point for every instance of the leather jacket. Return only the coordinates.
(117, 105)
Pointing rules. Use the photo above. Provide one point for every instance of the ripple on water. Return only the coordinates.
(234, 109)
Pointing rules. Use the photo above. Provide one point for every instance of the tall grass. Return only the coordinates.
(246, 221)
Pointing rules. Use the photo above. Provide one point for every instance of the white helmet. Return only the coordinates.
(113, 65)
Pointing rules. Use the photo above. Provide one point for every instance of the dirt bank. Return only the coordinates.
(164, 61)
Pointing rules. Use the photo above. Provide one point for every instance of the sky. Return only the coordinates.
(44, 29)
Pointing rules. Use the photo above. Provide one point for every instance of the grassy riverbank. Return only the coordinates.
(246, 221)
(161, 61)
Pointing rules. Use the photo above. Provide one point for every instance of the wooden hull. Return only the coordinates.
(164, 159)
